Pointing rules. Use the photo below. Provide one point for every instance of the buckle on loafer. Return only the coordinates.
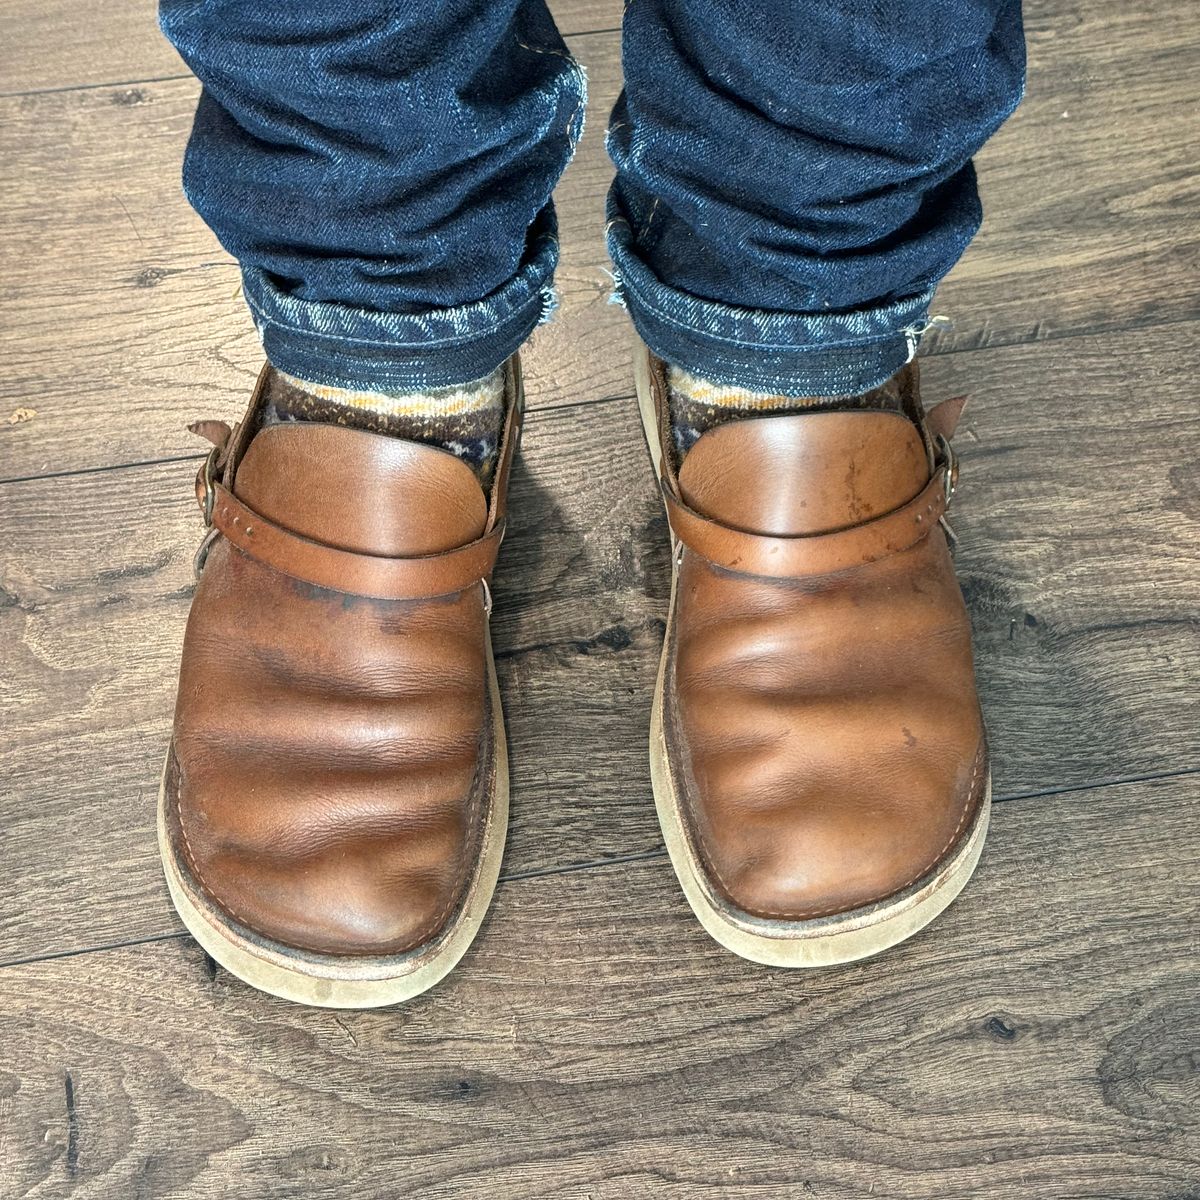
(947, 461)
(209, 478)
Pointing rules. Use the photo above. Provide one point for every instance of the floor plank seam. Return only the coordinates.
(95, 87)
(127, 466)
(1067, 789)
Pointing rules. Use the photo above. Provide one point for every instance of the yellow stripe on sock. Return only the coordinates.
(705, 391)
(484, 393)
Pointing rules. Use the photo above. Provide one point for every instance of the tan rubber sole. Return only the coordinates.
(821, 942)
(328, 981)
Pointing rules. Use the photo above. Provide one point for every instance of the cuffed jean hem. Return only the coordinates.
(800, 354)
(339, 345)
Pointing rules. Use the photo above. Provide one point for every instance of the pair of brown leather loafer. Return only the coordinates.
(335, 796)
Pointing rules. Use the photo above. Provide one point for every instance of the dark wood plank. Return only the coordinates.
(1089, 191)
(51, 45)
(1080, 558)
(1038, 1041)
(121, 302)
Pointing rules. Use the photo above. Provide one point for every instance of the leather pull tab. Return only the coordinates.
(217, 432)
(942, 419)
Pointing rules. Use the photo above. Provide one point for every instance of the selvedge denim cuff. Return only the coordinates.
(809, 354)
(339, 345)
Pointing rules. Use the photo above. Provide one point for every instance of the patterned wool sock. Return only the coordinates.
(698, 405)
(465, 418)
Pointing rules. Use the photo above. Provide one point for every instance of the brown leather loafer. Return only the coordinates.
(817, 751)
(335, 798)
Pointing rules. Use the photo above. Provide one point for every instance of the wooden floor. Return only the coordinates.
(1041, 1041)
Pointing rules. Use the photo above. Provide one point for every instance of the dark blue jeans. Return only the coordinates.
(793, 176)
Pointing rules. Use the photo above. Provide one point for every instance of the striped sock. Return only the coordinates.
(698, 405)
(464, 419)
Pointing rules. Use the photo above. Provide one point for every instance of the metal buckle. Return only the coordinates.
(948, 460)
(210, 492)
(210, 499)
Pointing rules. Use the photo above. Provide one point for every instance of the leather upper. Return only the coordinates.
(333, 753)
(820, 709)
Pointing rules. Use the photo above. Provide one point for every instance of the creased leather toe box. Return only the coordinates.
(333, 759)
(824, 738)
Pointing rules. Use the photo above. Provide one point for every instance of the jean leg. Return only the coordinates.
(794, 177)
(382, 172)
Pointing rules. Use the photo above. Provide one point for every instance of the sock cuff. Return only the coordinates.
(428, 404)
(698, 405)
(464, 419)
(683, 384)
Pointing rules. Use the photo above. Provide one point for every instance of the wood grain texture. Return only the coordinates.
(1090, 190)
(52, 45)
(1039, 1042)
(1080, 559)
(120, 301)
